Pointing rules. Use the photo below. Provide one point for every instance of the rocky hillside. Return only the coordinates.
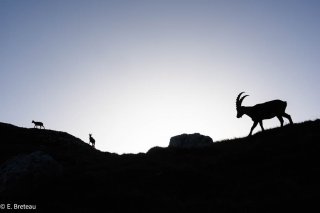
(275, 170)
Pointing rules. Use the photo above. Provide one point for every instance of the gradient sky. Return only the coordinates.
(135, 73)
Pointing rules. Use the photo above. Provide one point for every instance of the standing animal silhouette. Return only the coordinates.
(92, 140)
(37, 123)
(260, 112)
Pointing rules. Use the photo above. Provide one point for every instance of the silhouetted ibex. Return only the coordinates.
(37, 123)
(259, 112)
(91, 140)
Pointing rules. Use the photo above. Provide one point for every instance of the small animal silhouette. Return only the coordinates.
(91, 140)
(37, 123)
(259, 112)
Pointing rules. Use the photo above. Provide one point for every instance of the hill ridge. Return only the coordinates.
(277, 168)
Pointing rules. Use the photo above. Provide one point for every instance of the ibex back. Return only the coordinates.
(260, 112)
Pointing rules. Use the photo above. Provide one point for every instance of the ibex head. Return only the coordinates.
(239, 100)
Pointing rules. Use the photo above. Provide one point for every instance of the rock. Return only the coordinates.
(28, 171)
(195, 140)
(155, 149)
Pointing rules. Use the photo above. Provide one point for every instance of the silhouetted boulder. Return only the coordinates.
(28, 171)
(155, 149)
(195, 140)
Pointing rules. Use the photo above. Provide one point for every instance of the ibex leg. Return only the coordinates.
(253, 126)
(281, 120)
(288, 117)
(261, 125)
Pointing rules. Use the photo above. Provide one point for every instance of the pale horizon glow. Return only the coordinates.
(135, 73)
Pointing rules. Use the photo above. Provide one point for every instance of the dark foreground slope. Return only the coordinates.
(272, 171)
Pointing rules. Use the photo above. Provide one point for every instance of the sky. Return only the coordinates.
(136, 73)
